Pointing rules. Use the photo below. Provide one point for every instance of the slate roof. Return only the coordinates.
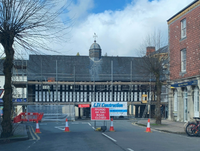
(161, 50)
(183, 9)
(42, 67)
(124, 69)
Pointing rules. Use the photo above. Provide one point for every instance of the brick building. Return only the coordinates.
(184, 48)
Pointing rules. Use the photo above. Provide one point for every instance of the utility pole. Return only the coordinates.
(57, 89)
(111, 80)
(93, 72)
(56, 82)
(150, 99)
(22, 80)
(41, 81)
(73, 92)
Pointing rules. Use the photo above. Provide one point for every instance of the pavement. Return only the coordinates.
(21, 133)
(166, 125)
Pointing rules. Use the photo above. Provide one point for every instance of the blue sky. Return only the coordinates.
(122, 26)
(114, 5)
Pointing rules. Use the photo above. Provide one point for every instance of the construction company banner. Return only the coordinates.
(116, 108)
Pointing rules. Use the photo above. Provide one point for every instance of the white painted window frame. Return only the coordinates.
(183, 28)
(183, 60)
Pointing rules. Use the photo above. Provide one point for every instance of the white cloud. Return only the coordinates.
(119, 32)
(80, 9)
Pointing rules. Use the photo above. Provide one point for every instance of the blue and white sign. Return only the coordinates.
(16, 100)
(116, 108)
(194, 82)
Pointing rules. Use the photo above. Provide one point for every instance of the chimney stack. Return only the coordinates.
(150, 49)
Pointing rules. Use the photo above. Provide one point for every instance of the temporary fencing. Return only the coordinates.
(25, 117)
(54, 112)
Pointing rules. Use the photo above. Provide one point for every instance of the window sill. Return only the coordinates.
(183, 39)
(182, 73)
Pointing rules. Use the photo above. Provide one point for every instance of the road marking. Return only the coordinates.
(33, 134)
(38, 138)
(31, 145)
(93, 128)
(109, 137)
(130, 149)
(60, 127)
(43, 124)
(79, 123)
(75, 123)
(89, 124)
(84, 123)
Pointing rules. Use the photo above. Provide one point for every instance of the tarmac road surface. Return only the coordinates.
(127, 137)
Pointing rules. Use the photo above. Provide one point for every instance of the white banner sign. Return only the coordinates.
(116, 108)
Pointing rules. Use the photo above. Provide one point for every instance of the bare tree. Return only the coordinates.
(155, 63)
(26, 24)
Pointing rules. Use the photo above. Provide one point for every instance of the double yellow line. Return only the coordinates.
(33, 134)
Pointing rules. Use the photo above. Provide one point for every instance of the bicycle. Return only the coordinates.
(193, 128)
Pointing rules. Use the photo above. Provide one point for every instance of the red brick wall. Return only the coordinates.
(150, 50)
(191, 43)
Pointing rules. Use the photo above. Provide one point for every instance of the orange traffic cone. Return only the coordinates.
(37, 127)
(111, 125)
(148, 129)
(66, 126)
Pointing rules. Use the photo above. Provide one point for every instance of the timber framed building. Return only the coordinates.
(76, 80)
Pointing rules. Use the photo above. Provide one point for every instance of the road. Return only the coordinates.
(127, 137)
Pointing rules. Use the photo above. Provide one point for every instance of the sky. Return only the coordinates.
(121, 25)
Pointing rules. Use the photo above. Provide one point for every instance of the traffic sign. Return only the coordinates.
(1, 92)
(83, 105)
(100, 114)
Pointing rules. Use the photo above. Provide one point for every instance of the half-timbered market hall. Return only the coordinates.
(63, 86)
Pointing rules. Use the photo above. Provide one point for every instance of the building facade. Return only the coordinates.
(80, 80)
(184, 67)
(19, 94)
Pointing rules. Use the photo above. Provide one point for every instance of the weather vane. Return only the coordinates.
(95, 36)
